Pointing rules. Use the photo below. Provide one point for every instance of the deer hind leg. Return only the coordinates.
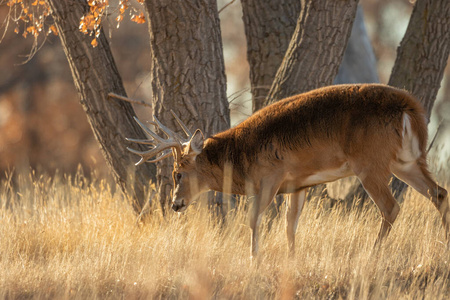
(416, 175)
(375, 181)
(293, 212)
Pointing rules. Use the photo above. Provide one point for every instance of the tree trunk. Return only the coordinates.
(269, 26)
(316, 49)
(188, 73)
(95, 75)
(423, 52)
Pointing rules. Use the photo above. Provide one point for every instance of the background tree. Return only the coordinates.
(269, 26)
(423, 53)
(95, 75)
(188, 71)
(316, 48)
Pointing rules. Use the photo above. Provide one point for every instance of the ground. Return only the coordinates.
(70, 237)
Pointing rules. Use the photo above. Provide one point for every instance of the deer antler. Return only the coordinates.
(165, 146)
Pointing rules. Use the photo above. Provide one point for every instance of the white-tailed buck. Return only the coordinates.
(369, 130)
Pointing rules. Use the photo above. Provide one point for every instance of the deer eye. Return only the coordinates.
(178, 176)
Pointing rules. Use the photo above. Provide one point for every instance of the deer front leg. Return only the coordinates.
(268, 188)
(293, 212)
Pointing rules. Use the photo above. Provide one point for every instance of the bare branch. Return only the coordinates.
(143, 103)
(226, 5)
(435, 135)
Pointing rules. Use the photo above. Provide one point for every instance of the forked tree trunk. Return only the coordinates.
(269, 26)
(188, 73)
(95, 75)
(316, 48)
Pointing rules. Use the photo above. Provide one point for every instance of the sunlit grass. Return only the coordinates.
(73, 238)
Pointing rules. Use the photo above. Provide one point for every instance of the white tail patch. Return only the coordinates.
(410, 150)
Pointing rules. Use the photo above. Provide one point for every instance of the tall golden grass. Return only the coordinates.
(63, 237)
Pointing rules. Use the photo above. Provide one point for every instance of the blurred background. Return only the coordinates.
(43, 126)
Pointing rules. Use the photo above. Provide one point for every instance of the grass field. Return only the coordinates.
(73, 238)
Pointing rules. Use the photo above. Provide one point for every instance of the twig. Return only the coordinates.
(435, 135)
(143, 103)
(226, 5)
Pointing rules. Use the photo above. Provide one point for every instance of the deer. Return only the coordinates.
(371, 131)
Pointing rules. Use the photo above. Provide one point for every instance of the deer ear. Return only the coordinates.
(196, 142)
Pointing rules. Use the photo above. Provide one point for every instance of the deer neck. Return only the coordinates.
(216, 165)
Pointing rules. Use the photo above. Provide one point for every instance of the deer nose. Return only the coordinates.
(178, 206)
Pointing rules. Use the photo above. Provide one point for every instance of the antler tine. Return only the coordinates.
(146, 155)
(147, 130)
(161, 145)
(183, 126)
(173, 134)
(167, 131)
(144, 142)
(165, 154)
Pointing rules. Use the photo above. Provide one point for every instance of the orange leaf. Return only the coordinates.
(94, 43)
(53, 29)
(138, 19)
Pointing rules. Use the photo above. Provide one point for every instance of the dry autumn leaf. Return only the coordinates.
(138, 18)
(53, 29)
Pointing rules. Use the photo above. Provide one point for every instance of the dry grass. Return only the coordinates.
(69, 238)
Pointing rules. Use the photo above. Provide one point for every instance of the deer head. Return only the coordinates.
(185, 151)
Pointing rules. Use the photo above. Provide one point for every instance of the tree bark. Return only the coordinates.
(316, 49)
(95, 75)
(423, 52)
(269, 26)
(188, 73)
